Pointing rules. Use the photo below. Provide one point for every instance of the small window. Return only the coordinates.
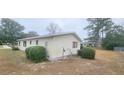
(19, 43)
(75, 44)
(36, 42)
(30, 42)
(24, 43)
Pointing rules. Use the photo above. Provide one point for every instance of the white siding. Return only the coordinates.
(41, 42)
(55, 45)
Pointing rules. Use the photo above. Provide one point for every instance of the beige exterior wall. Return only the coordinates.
(41, 42)
(55, 45)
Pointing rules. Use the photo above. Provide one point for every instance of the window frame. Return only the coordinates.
(24, 43)
(19, 43)
(75, 44)
(37, 42)
(30, 42)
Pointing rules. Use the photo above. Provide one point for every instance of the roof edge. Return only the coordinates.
(46, 36)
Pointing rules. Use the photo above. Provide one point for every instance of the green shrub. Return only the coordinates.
(36, 53)
(81, 46)
(109, 45)
(79, 52)
(88, 53)
(27, 52)
(15, 48)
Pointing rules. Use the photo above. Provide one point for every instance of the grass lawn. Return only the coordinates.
(106, 62)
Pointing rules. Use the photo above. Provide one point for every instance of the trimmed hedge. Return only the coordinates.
(87, 53)
(36, 53)
(79, 53)
(15, 48)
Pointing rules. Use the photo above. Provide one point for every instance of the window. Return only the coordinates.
(36, 42)
(24, 43)
(19, 43)
(30, 42)
(75, 44)
(46, 44)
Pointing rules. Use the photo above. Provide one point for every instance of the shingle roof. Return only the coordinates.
(52, 35)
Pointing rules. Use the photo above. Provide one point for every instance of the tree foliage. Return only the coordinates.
(31, 34)
(97, 28)
(114, 38)
(10, 30)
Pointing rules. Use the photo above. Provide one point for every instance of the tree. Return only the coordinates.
(1, 37)
(114, 38)
(97, 28)
(53, 28)
(117, 29)
(29, 34)
(23, 35)
(32, 34)
(10, 30)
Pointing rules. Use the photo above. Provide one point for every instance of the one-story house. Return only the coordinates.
(57, 45)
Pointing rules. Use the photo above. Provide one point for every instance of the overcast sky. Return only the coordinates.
(67, 25)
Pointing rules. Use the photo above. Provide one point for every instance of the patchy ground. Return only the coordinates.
(1, 46)
(106, 62)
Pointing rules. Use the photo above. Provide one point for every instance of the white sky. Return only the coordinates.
(66, 24)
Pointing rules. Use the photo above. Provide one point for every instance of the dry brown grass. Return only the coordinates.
(1, 46)
(106, 62)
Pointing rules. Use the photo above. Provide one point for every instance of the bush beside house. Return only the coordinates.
(15, 48)
(87, 53)
(79, 52)
(36, 53)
